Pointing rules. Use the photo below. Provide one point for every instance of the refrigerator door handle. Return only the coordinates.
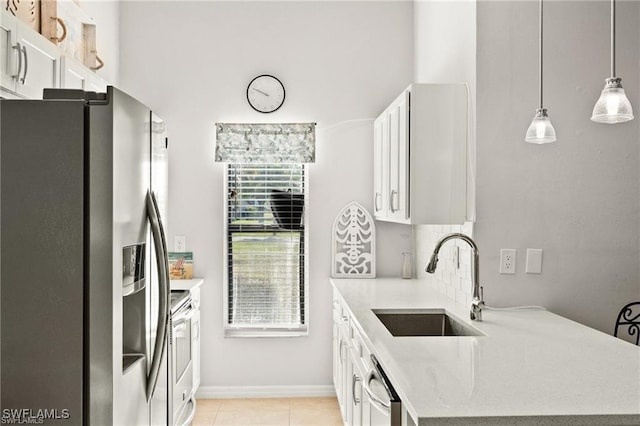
(160, 245)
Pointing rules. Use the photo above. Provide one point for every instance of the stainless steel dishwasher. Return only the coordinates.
(384, 403)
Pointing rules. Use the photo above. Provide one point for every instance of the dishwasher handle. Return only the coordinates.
(183, 314)
(383, 406)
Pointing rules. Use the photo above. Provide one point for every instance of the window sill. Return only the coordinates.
(265, 332)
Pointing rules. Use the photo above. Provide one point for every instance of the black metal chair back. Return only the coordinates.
(629, 321)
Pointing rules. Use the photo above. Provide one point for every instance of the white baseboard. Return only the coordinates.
(214, 392)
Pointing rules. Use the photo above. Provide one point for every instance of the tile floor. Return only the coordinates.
(268, 412)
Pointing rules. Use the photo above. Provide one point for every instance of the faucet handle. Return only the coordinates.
(481, 294)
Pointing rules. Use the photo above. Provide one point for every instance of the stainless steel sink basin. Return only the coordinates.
(414, 322)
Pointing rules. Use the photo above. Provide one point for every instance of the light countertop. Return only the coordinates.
(531, 367)
(186, 284)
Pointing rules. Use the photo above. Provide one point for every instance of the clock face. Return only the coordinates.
(265, 93)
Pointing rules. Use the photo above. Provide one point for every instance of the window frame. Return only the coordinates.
(266, 330)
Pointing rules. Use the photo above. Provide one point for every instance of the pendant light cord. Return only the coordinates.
(613, 38)
(540, 51)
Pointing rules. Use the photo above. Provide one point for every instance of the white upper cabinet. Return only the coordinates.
(30, 62)
(75, 75)
(8, 72)
(420, 156)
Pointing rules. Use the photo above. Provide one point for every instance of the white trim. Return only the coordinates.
(215, 392)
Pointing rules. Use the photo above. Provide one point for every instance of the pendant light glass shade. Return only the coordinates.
(612, 106)
(540, 130)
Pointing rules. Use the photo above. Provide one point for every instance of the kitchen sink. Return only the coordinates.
(416, 322)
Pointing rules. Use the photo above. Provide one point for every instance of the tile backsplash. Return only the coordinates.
(448, 279)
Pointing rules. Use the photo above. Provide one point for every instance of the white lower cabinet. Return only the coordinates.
(195, 336)
(350, 368)
(357, 403)
(340, 355)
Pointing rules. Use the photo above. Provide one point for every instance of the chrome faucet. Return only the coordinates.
(476, 303)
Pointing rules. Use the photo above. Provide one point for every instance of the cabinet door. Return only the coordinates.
(339, 358)
(195, 334)
(73, 74)
(41, 63)
(399, 158)
(8, 52)
(336, 357)
(355, 390)
(96, 83)
(195, 356)
(380, 165)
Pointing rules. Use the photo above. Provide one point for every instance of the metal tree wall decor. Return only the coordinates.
(353, 249)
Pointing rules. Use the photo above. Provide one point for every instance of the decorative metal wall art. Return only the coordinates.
(353, 249)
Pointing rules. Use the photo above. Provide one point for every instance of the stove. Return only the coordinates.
(178, 298)
(181, 357)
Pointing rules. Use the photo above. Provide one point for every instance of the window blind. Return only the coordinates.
(266, 261)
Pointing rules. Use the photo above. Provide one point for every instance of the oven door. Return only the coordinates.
(182, 361)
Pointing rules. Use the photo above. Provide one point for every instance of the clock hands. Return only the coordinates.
(260, 91)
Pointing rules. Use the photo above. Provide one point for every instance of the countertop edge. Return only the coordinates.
(186, 284)
(563, 420)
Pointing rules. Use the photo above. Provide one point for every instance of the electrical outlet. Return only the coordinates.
(507, 261)
(180, 243)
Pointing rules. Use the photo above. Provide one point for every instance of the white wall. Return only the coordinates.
(578, 199)
(106, 14)
(192, 61)
(444, 52)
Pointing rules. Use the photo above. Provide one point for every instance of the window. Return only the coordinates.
(266, 268)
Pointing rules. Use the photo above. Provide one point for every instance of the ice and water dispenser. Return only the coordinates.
(133, 304)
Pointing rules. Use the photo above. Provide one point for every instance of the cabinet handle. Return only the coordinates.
(375, 202)
(26, 65)
(393, 192)
(355, 379)
(18, 47)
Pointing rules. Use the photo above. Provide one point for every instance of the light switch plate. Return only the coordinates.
(534, 261)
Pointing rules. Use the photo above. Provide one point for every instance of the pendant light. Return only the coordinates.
(540, 130)
(612, 106)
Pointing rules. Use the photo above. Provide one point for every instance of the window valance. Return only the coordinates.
(265, 143)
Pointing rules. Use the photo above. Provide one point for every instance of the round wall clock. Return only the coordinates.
(265, 93)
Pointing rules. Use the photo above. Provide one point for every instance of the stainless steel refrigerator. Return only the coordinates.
(84, 277)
